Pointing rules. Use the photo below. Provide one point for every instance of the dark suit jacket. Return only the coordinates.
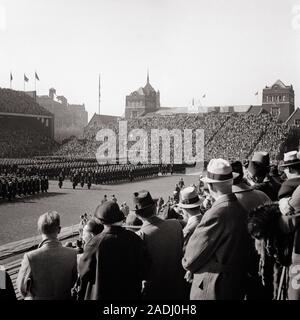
(113, 265)
(164, 241)
(217, 252)
(290, 224)
(189, 229)
(288, 187)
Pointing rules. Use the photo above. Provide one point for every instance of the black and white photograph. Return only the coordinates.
(149, 153)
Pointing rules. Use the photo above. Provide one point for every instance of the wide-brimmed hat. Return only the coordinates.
(291, 158)
(260, 164)
(189, 198)
(109, 213)
(238, 168)
(142, 200)
(219, 170)
(261, 157)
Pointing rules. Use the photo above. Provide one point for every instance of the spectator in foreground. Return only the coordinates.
(217, 250)
(49, 272)
(164, 241)
(90, 230)
(247, 196)
(190, 204)
(290, 224)
(257, 175)
(114, 262)
(291, 168)
(250, 198)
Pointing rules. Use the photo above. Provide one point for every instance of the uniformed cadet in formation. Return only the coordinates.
(12, 185)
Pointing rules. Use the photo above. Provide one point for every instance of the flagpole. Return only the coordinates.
(99, 94)
(10, 80)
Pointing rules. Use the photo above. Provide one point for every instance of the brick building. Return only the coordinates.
(142, 101)
(69, 119)
(279, 100)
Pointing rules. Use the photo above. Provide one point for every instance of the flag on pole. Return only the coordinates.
(37, 77)
(99, 94)
(10, 79)
(204, 95)
(25, 78)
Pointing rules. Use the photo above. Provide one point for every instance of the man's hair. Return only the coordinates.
(49, 222)
(94, 227)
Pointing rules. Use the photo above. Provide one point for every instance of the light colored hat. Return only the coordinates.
(291, 158)
(219, 170)
(189, 198)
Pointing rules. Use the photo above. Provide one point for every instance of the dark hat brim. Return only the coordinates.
(289, 164)
(148, 206)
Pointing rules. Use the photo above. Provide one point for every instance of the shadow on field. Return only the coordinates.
(31, 198)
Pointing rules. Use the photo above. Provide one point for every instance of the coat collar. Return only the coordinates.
(50, 243)
(113, 229)
(241, 187)
(225, 198)
(152, 220)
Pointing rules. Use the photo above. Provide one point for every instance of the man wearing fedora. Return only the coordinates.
(290, 224)
(190, 204)
(291, 168)
(250, 198)
(216, 253)
(164, 241)
(257, 175)
(114, 262)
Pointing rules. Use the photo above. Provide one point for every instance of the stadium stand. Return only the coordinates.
(26, 129)
(234, 136)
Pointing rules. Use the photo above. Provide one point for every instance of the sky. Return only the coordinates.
(227, 50)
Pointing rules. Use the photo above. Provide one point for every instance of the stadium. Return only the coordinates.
(172, 191)
(33, 162)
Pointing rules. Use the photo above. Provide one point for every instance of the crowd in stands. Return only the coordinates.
(273, 139)
(233, 235)
(22, 140)
(235, 136)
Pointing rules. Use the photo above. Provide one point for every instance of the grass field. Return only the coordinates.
(19, 217)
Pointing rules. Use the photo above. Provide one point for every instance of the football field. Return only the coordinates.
(19, 217)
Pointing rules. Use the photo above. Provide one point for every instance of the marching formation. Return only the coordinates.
(232, 235)
(12, 185)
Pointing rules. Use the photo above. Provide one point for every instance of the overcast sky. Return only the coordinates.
(227, 50)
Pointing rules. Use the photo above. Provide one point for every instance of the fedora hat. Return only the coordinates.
(189, 198)
(142, 199)
(291, 158)
(109, 213)
(219, 170)
(261, 157)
